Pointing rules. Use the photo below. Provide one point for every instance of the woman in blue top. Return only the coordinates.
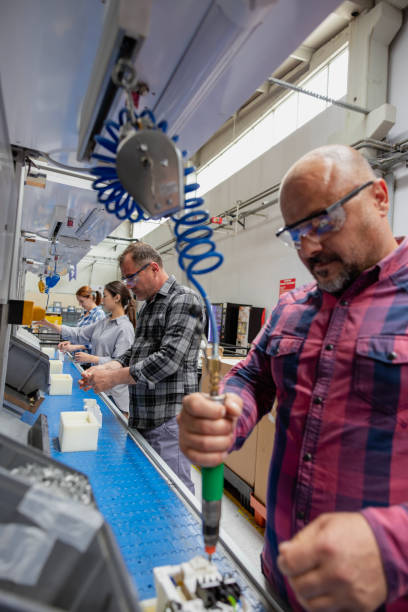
(109, 338)
(90, 301)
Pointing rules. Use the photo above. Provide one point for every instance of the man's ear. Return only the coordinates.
(155, 266)
(382, 202)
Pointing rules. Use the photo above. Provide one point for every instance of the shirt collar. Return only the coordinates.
(165, 288)
(118, 320)
(396, 260)
(383, 269)
(92, 309)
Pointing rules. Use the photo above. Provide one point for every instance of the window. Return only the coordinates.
(292, 112)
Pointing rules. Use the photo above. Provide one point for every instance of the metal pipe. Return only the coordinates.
(231, 211)
(63, 167)
(307, 92)
(401, 143)
(15, 255)
(58, 170)
(373, 143)
(390, 161)
(121, 239)
(371, 146)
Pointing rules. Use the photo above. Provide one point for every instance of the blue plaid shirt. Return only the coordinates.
(96, 314)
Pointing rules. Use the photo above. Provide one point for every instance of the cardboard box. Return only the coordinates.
(265, 441)
(243, 461)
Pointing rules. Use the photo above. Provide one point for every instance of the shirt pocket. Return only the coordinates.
(284, 352)
(381, 372)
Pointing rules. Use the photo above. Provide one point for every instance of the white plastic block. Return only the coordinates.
(60, 384)
(78, 431)
(50, 351)
(61, 355)
(55, 366)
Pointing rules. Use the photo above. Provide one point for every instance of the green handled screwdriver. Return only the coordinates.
(213, 477)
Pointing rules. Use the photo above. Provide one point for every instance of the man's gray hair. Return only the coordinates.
(141, 252)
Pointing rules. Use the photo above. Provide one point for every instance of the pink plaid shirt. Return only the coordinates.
(339, 370)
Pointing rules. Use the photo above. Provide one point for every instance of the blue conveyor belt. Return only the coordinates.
(151, 524)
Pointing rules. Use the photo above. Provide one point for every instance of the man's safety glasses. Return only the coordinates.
(317, 225)
(132, 278)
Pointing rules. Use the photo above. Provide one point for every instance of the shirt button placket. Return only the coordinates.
(304, 486)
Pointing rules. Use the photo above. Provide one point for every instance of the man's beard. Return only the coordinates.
(345, 277)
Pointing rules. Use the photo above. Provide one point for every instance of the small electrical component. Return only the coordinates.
(196, 586)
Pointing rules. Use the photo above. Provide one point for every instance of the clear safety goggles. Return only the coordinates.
(131, 279)
(315, 226)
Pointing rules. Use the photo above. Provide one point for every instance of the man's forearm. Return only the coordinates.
(113, 365)
(122, 375)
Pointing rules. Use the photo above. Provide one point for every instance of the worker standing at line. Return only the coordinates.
(334, 354)
(90, 301)
(109, 337)
(161, 366)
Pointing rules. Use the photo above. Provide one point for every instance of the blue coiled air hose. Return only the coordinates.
(196, 250)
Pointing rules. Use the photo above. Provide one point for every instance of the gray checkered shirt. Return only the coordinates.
(163, 358)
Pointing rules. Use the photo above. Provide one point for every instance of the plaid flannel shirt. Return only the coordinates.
(164, 355)
(339, 370)
(94, 315)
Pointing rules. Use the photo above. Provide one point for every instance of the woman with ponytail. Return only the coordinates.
(90, 301)
(109, 337)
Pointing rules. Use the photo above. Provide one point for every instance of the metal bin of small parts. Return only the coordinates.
(57, 553)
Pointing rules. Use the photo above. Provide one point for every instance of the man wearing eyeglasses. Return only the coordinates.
(161, 366)
(334, 355)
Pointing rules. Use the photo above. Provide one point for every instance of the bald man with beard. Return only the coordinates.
(334, 355)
